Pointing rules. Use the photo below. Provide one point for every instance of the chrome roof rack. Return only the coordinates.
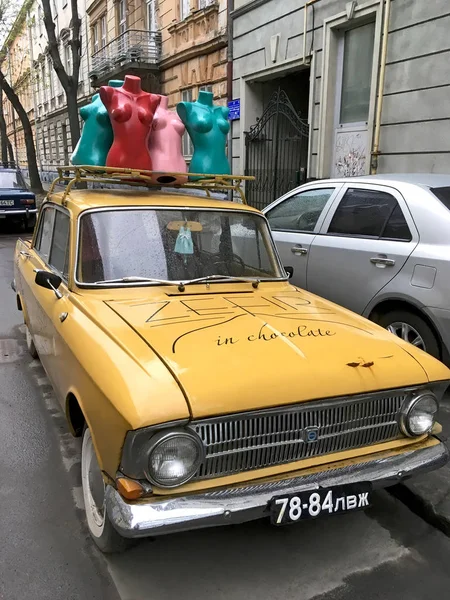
(73, 175)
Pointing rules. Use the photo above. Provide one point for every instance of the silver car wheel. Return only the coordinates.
(407, 333)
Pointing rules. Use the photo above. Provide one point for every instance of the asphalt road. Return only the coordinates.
(45, 551)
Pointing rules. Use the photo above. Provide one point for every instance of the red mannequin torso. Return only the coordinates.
(131, 111)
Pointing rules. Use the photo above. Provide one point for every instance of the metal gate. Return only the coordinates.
(276, 152)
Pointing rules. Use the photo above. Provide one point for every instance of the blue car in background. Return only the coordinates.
(17, 202)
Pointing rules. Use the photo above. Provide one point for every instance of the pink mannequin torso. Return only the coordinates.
(165, 144)
(131, 111)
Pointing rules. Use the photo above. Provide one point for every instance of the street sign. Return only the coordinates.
(235, 109)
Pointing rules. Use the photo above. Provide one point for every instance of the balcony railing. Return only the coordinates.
(132, 46)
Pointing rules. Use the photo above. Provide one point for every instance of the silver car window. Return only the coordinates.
(369, 213)
(299, 212)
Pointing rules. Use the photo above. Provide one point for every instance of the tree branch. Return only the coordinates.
(75, 43)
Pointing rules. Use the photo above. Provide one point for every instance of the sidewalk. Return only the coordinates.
(428, 495)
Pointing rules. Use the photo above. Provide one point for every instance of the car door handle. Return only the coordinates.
(24, 254)
(378, 260)
(299, 250)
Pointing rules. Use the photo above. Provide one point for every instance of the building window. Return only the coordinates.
(68, 58)
(357, 63)
(151, 15)
(205, 3)
(40, 19)
(188, 147)
(122, 16)
(185, 8)
(206, 88)
(44, 82)
(95, 38)
(103, 31)
(50, 77)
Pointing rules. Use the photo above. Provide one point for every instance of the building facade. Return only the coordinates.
(337, 88)
(177, 47)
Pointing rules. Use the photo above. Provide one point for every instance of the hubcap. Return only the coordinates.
(407, 333)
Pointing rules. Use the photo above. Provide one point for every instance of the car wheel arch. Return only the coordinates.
(75, 415)
(388, 305)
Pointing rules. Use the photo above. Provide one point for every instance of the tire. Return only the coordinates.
(100, 527)
(30, 344)
(393, 321)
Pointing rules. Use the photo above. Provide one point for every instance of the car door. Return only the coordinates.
(43, 306)
(295, 219)
(364, 241)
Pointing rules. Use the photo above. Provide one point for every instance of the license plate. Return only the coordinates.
(6, 202)
(317, 503)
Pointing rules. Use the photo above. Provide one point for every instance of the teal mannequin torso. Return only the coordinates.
(97, 134)
(208, 127)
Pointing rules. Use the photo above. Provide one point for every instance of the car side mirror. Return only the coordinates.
(49, 281)
(289, 271)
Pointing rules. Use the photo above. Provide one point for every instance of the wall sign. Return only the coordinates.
(235, 109)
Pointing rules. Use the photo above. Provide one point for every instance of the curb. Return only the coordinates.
(421, 507)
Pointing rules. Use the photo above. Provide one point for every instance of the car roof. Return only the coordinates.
(429, 180)
(81, 200)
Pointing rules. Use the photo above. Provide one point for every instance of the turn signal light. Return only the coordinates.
(27, 201)
(129, 488)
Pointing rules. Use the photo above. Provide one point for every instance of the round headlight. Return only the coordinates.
(418, 414)
(174, 458)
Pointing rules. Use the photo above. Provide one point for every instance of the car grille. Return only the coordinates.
(247, 441)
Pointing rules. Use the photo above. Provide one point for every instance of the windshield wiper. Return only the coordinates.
(135, 279)
(254, 281)
(181, 284)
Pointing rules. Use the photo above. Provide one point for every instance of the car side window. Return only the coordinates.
(300, 212)
(397, 228)
(59, 250)
(369, 213)
(45, 232)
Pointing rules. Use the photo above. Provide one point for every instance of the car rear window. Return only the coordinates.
(443, 193)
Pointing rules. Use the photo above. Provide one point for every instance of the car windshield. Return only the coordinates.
(174, 245)
(11, 179)
(443, 193)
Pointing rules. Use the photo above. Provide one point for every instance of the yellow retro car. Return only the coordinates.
(207, 389)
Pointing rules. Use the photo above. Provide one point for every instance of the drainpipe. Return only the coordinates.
(376, 137)
(230, 8)
(305, 24)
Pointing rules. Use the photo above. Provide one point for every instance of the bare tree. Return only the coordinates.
(7, 153)
(11, 25)
(69, 81)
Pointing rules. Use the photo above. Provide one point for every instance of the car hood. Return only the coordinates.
(240, 351)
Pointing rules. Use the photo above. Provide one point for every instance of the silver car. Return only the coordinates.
(378, 245)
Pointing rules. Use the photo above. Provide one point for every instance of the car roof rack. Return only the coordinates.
(72, 175)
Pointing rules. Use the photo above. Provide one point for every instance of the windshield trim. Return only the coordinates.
(98, 286)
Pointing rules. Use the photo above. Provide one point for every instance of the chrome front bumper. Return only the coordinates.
(241, 504)
(21, 211)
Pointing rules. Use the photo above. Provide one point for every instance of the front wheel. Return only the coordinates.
(411, 328)
(100, 527)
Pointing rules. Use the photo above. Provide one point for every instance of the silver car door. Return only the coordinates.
(295, 219)
(365, 240)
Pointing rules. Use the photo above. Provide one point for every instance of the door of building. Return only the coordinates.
(276, 152)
